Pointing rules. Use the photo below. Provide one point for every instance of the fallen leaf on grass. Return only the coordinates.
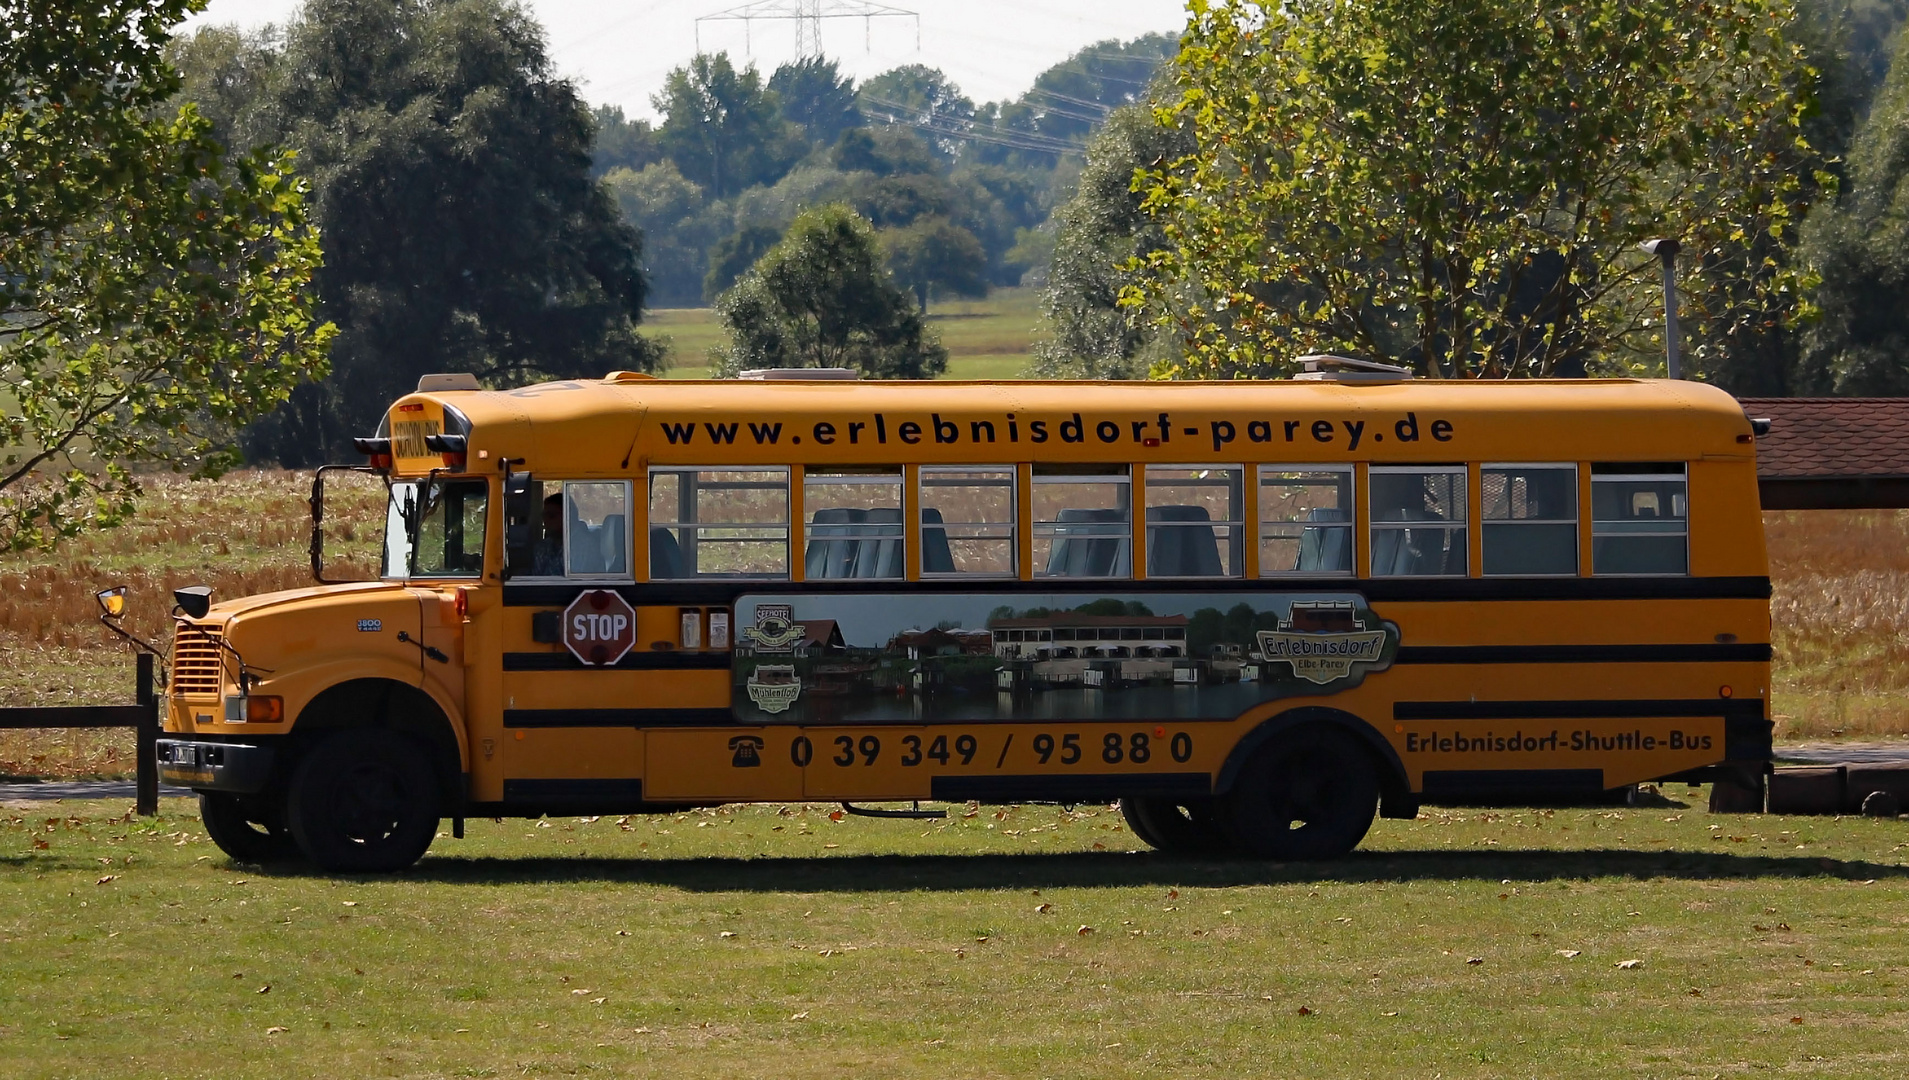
(1084, 931)
(622, 933)
(1796, 1019)
(598, 1001)
(1305, 1011)
(266, 989)
(1474, 960)
(41, 845)
(1570, 954)
(107, 878)
(276, 1030)
(803, 1015)
(1628, 964)
(640, 1031)
(351, 903)
(726, 934)
(1042, 909)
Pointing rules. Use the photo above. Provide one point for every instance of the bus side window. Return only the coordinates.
(967, 520)
(1193, 520)
(1305, 520)
(718, 523)
(1418, 520)
(853, 524)
(1083, 521)
(1640, 518)
(596, 534)
(1531, 518)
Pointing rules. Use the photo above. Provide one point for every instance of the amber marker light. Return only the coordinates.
(1724, 691)
(264, 709)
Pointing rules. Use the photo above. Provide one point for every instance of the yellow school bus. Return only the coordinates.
(1251, 612)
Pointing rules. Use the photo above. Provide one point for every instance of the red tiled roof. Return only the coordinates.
(1821, 438)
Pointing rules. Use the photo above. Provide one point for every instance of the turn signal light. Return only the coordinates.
(1724, 691)
(264, 709)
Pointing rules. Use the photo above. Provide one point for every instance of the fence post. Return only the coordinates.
(148, 738)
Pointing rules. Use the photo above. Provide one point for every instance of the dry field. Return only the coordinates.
(1841, 608)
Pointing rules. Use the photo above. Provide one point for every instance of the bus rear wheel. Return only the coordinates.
(364, 801)
(1305, 796)
(1176, 828)
(245, 828)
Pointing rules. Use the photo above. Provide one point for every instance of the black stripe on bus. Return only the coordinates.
(1375, 590)
(1533, 783)
(655, 660)
(588, 791)
(1067, 788)
(640, 718)
(1580, 654)
(1581, 709)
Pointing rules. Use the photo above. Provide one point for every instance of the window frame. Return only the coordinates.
(1060, 478)
(1485, 522)
(1682, 477)
(790, 502)
(629, 529)
(1236, 526)
(1461, 525)
(1013, 526)
(1351, 523)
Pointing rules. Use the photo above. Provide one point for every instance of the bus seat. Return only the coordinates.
(1093, 554)
(831, 550)
(586, 544)
(879, 556)
(1324, 550)
(666, 556)
(1182, 550)
(936, 557)
(616, 558)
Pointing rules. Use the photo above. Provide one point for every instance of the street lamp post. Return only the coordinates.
(1666, 252)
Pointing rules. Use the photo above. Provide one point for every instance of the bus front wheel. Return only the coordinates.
(364, 801)
(1176, 828)
(244, 828)
(1307, 795)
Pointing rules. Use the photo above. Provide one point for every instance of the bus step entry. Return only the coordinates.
(917, 812)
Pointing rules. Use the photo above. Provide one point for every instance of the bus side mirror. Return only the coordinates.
(523, 514)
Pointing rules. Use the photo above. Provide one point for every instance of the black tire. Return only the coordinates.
(1176, 828)
(1310, 794)
(248, 828)
(364, 802)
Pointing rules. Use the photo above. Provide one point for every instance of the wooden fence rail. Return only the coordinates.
(142, 717)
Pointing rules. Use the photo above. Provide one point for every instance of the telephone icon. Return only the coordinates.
(748, 751)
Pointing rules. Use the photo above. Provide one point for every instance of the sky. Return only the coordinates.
(619, 52)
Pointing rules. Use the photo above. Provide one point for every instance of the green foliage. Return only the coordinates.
(154, 292)
(1069, 101)
(678, 224)
(462, 227)
(924, 98)
(1860, 345)
(819, 298)
(1461, 186)
(815, 96)
(622, 143)
(1101, 233)
(723, 128)
(933, 257)
(734, 254)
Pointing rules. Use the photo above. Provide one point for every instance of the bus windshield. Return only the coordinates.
(435, 529)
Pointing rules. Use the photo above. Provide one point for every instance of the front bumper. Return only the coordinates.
(215, 766)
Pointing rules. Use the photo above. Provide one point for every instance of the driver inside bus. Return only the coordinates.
(546, 557)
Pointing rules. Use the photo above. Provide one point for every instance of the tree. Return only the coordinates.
(1461, 186)
(932, 256)
(678, 225)
(734, 254)
(462, 227)
(153, 291)
(923, 98)
(1102, 234)
(722, 127)
(820, 299)
(622, 143)
(1860, 344)
(815, 96)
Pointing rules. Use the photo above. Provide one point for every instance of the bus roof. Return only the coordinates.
(614, 425)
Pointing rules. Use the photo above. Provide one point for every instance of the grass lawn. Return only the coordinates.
(1023, 942)
(986, 339)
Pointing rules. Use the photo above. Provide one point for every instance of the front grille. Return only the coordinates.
(196, 660)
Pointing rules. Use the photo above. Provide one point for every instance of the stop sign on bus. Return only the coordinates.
(599, 626)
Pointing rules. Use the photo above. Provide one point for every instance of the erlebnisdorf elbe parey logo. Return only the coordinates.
(1322, 641)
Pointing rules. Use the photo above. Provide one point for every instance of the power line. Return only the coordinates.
(807, 15)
